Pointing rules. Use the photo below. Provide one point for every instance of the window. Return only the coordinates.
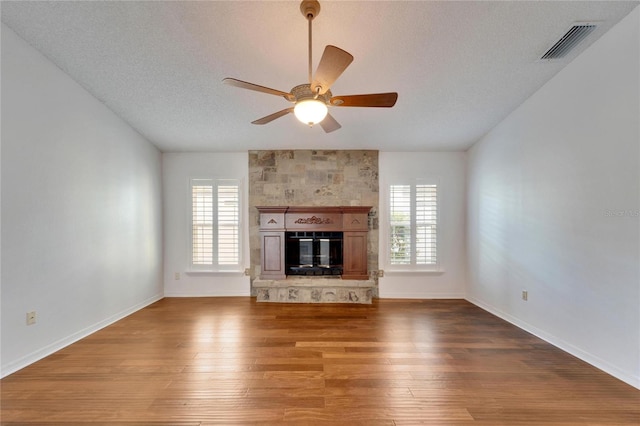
(215, 224)
(413, 226)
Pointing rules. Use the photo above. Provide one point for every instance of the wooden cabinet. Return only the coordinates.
(272, 228)
(275, 221)
(272, 255)
(354, 256)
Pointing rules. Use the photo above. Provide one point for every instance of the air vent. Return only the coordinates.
(575, 35)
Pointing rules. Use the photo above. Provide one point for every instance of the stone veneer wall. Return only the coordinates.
(313, 178)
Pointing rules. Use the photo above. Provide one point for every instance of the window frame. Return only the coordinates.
(412, 266)
(215, 266)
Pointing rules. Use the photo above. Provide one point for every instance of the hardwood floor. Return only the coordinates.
(233, 361)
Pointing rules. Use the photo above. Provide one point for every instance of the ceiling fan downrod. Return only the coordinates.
(310, 9)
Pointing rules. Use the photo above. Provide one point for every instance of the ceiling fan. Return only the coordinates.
(311, 100)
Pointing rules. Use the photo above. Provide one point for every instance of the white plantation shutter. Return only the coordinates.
(426, 224)
(215, 224)
(413, 220)
(400, 221)
(228, 225)
(202, 222)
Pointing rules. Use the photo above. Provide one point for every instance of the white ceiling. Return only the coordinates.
(459, 67)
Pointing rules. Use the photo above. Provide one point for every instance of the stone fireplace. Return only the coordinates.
(298, 185)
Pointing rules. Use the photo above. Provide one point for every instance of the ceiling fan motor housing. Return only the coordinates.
(304, 92)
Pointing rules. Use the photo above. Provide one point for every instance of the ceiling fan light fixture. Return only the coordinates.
(310, 111)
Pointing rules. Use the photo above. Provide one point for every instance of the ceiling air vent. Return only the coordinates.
(569, 40)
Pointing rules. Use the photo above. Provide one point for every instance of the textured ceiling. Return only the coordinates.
(459, 67)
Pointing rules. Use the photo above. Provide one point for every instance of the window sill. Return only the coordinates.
(215, 273)
(413, 272)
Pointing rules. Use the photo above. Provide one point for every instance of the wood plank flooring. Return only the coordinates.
(198, 361)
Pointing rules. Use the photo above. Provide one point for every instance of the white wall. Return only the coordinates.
(449, 169)
(553, 209)
(81, 210)
(178, 169)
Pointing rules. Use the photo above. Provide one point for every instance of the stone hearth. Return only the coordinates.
(314, 290)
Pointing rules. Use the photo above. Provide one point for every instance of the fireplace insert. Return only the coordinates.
(313, 253)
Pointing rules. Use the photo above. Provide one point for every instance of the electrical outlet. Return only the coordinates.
(31, 318)
(381, 273)
(247, 272)
(525, 295)
(176, 276)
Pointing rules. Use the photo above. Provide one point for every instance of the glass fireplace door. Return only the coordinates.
(313, 253)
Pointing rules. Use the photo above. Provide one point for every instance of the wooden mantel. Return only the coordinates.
(352, 221)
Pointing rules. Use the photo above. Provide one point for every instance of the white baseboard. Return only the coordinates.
(28, 359)
(409, 295)
(561, 344)
(208, 294)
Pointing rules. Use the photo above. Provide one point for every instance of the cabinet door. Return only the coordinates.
(272, 255)
(354, 256)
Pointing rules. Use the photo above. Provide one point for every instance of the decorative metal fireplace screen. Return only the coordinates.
(313, 253)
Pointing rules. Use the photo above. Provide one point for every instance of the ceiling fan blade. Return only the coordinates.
(257, 88)
(332, 64)
(329, 124)
(380, 100)
(269, 118)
